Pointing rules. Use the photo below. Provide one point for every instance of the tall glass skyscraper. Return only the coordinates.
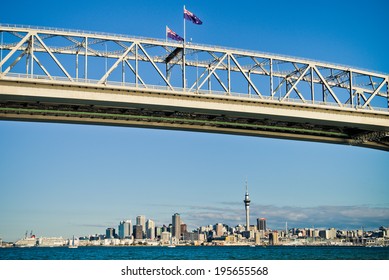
(261, 224)
(125, 229)
(150, 225)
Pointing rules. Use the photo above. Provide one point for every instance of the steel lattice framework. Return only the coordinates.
(118, 64)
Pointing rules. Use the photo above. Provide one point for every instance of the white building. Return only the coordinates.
(165, 237)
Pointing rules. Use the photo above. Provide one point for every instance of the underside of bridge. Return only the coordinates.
(137, 114)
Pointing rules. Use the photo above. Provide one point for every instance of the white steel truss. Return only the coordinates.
(66, 55)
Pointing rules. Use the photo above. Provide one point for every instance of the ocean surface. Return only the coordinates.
(196, 253)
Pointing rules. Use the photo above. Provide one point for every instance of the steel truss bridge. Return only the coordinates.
(72, 76)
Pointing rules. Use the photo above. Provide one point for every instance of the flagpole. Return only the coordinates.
(183, 55)
(167, 66)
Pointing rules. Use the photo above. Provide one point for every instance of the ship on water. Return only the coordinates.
(51, 242)
(27, 241)
(33, 241)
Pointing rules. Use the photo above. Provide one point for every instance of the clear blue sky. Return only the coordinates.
(63, 179)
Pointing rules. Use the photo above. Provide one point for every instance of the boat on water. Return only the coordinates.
(72, 245)
(27, 241)
(171, 245)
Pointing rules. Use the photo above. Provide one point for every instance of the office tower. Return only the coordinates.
(184, 228)
(176, 226)
(141, 221)
(158, 232)
(110, 233)
(125, 229)
(247, 207)
(219, 229)
(261, 224)
(138, 232)
(273, 238)
(150, 226)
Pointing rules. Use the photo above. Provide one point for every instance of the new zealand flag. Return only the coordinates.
(173, 35)
(192, 17)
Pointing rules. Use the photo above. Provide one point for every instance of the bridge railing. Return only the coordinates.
(82, 32)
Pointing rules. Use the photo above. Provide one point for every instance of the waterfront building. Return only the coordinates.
(328, 234)
(248, 234)
(332, 233)
(165, 237)
(219, 229)
(125, 229)
(257, 238)
(141, 221)
(138, 232)
(273, 238)
(240, 228)
(184, 228)
(310, 232)
(261, 224)
(165, 228)
(110, 233)
(301, 233)
(158, 232)
(176, 226)
(231, 239)
(247, 208)
(150, 226)
(206, 228)
(191, 236)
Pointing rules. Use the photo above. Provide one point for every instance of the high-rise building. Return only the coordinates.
(158, 232)
(219, 229)
(273, 238)
(138, 232)
(176, 226)
(125, 229)
(110, 233)
(141, 221)
(247, 207)
(184, 228)
(261, 224)
(150, 228)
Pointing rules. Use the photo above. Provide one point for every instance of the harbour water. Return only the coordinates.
(197, 253)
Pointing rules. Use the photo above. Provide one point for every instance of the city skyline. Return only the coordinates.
(147, 227)
(65, 179)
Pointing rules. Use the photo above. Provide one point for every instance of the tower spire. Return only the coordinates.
(247, 207)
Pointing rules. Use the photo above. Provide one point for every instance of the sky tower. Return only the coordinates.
(247, 207)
